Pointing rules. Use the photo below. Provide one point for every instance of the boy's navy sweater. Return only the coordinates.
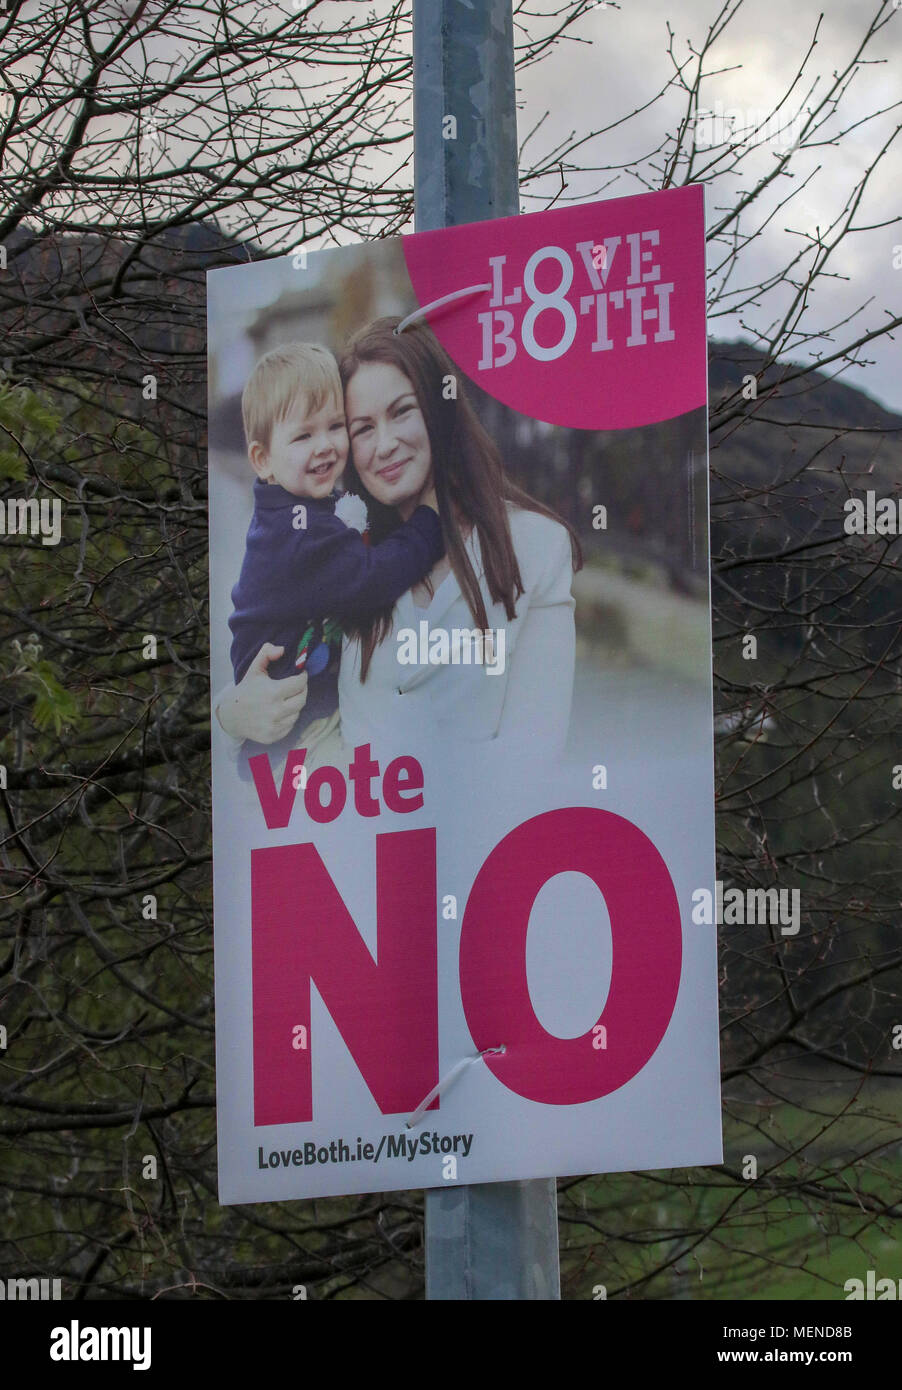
(290, 578)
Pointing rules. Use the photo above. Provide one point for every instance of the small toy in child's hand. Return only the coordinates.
(303, 651)
(314, 658)
(332, 632)
(318, 659)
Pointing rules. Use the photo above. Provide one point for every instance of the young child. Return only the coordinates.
(305, 571)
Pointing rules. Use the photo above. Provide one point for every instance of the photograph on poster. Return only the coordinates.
(460, 652)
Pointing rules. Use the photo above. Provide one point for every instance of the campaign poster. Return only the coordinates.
(462, 705)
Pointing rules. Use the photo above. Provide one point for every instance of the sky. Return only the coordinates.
(617, 60)
(621, 61)
(586, 86)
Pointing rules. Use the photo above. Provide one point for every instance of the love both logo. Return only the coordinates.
(386, 1009)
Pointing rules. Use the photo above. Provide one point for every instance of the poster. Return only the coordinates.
(462, 705)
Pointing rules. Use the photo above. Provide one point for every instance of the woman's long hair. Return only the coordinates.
(470, 480)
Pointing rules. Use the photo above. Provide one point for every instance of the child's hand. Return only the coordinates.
(263, 709)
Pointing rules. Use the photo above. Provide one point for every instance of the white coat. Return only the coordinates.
(525, 704)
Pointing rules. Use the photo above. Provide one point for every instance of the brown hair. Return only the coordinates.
(469, 475)
(304, 371)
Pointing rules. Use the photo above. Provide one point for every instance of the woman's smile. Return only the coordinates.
(392, 471)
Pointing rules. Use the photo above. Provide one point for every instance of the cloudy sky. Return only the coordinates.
(584, 86)
(617, 60)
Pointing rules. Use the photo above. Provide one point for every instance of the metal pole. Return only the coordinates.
(490, 1240)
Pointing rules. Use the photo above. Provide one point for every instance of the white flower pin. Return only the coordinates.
(351, 509)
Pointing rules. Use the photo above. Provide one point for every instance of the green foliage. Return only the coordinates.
(53, 706)
(28, 420)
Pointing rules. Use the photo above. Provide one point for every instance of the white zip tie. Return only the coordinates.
(446, 1081)
(437, 304)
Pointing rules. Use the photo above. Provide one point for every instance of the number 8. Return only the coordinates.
(554, 300)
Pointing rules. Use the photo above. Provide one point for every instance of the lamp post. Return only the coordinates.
(487, 1241)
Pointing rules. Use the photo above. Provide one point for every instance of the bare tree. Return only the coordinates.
(808, 644)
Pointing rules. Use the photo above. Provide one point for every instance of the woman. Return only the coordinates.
(507, 571)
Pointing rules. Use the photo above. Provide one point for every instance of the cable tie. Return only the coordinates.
(437, 304)
(447, 1080)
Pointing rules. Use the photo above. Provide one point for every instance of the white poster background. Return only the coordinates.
(659, 773)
